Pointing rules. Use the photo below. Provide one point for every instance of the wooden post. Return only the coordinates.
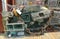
(13, 2)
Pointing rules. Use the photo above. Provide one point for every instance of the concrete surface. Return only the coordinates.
(51, 35)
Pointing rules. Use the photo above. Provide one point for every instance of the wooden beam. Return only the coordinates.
(13, 2)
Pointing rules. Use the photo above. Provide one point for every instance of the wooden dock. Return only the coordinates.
(51, 35)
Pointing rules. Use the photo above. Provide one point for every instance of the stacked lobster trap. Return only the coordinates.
(12, 27)
(55, 21)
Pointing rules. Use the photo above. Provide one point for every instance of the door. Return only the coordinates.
(1, 25)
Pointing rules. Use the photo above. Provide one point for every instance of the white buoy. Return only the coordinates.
(18, 11)
(9, 35)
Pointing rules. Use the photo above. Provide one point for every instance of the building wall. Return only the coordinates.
(1, 25)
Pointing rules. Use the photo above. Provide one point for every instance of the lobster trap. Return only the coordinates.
(29, 19)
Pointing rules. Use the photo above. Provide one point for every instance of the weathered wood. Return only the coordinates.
(1, 25)
(51, 35)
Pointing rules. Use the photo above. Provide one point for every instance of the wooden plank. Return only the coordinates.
(51, 35)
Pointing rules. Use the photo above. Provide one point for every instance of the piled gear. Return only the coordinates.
(35, 17)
